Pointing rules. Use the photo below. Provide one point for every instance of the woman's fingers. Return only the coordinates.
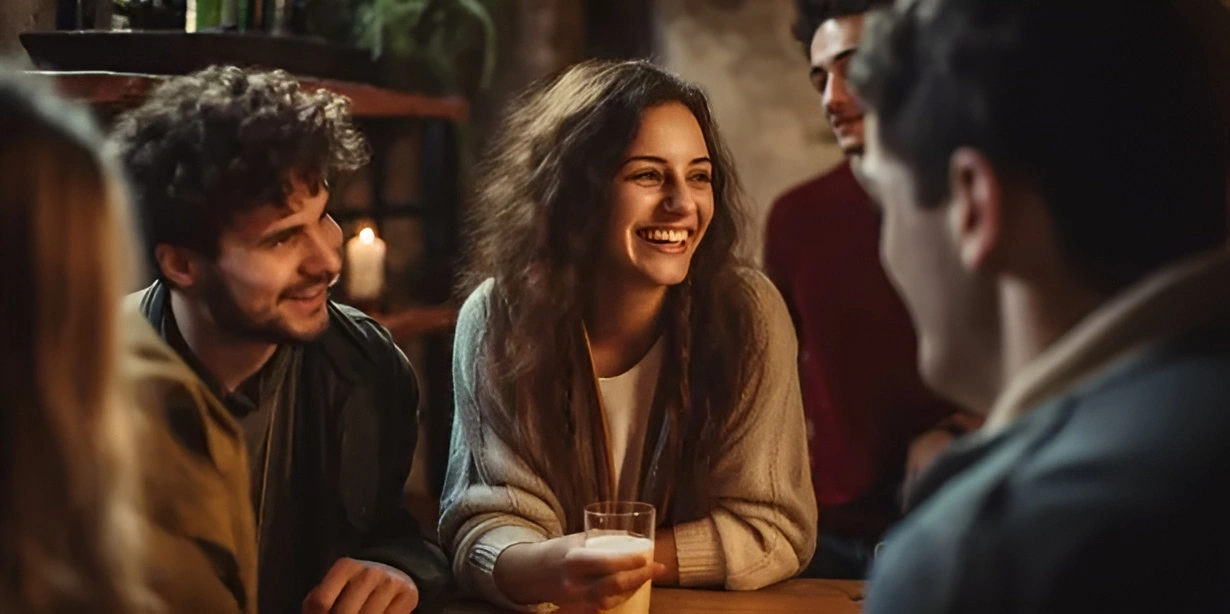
(584, 562)
(605, 592)
(624, 582)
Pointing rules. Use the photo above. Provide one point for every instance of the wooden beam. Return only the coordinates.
(116, 89)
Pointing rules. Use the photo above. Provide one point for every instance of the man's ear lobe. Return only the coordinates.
(177, 265)
(976, 215)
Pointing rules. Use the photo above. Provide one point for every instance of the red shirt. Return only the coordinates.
(862, 393)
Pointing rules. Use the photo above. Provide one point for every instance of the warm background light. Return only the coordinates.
(365, 266)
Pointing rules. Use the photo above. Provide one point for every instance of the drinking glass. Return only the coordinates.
(622, 527)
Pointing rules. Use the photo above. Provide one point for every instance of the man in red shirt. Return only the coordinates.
(872, 424)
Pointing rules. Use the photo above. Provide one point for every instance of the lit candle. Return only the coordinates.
(364, 266)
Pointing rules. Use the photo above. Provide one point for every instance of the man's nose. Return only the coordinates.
(838, 101)
(325, 245)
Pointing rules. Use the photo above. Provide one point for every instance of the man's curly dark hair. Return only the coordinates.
(223, 140)
(809, 14)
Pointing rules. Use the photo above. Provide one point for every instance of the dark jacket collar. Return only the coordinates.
(1021, 437)
(342, 345)
(1170, 303)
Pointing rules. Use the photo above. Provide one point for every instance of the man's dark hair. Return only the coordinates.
(810, 14)
(1110, 111)
(224, 140)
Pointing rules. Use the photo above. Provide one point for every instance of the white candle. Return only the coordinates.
(365, 266)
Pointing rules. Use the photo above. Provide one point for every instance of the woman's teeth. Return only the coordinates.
(663, 236)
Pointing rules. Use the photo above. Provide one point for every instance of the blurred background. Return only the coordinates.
(430, 80)
(741, 51)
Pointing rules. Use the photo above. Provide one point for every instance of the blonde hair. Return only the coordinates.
(70, 538)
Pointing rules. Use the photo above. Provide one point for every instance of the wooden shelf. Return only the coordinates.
(120, 89)
(117, 69)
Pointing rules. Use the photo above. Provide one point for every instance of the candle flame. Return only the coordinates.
(367, 235)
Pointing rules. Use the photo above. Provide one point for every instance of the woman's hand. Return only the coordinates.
(564, 572)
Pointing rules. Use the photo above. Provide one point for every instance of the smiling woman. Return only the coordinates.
(661, 200)
(613, 347)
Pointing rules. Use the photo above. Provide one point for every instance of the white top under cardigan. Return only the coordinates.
(761, 530)
(627, 400)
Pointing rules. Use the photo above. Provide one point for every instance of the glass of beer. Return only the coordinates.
(622, 527)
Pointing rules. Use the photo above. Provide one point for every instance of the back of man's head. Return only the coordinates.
(1109, 110)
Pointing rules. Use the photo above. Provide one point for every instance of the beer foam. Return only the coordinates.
(620, 544)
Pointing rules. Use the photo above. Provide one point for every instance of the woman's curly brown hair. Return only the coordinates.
(206, 146)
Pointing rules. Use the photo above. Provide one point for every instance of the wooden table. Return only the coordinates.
(790, 597)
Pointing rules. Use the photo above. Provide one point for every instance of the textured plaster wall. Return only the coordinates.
(17, 16)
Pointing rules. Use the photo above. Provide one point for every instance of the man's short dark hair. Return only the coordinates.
(810, 14)
(224, 140)
(1108, 109)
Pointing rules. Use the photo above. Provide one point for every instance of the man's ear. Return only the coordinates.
(177, 265)
(977, 213)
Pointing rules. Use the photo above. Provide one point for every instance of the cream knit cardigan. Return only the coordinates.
(762, 529)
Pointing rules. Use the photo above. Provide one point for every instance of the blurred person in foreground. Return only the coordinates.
(1053, 184)
(72, 539)
(872, 425)
(109, 506)
(233, 168)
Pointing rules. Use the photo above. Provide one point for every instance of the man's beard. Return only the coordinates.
(230, 318)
